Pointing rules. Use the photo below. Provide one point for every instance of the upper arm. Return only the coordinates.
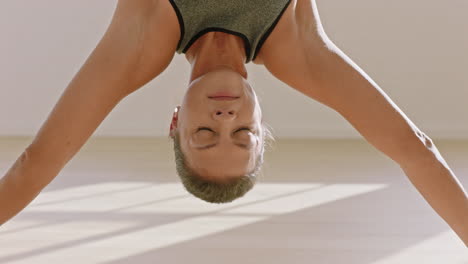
(341, 84)
(313, 65)
(140, 40)
(121, 63)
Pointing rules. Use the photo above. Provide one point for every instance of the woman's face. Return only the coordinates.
(220, 138)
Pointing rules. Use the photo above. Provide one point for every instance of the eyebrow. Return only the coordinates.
(243, 146)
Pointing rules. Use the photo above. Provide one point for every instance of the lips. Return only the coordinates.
(223, 98)
(223, 93)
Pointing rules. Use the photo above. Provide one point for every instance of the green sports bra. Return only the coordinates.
(252, 20)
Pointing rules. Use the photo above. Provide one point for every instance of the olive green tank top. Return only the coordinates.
(252, 20)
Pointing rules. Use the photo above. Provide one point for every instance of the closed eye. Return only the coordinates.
(244, 146)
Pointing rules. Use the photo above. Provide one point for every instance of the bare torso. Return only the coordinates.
(295, 22)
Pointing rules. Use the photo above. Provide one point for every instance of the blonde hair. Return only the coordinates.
(213, 191)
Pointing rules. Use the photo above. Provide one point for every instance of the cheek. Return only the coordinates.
(192, 105)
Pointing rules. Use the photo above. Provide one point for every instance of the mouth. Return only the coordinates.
(223, 98)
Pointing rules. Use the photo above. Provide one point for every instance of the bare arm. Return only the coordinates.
(131, 53)
(353, 94)
(312, 64)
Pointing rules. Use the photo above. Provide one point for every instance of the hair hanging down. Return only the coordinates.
(214, 191)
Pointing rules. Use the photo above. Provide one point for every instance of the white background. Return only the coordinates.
(416, 51)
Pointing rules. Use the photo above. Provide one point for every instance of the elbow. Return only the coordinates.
(426, 141)
(418, 149)
(32, 171)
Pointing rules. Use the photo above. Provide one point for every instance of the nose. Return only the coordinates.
(221, 114)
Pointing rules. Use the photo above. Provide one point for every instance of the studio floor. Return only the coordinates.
(119, 201)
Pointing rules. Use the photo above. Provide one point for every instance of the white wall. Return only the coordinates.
(417, 51)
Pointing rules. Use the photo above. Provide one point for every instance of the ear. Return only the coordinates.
(173, 126)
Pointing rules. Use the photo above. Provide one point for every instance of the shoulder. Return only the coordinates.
(150, 29)
(295, 47)
(298, 28)
(138, 4)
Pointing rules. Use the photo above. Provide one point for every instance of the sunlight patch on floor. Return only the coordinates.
(134, 232)
(173, 198)
(431, 245)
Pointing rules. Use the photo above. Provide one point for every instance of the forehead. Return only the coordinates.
(222, 160)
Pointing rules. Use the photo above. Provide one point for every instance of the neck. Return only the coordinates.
(214, 50)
